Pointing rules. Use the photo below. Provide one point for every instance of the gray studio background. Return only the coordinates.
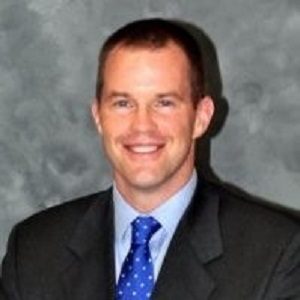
(49, 150)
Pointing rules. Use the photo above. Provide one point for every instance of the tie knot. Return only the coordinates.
(143, 228)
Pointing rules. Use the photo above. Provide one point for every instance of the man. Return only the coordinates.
(162, 231)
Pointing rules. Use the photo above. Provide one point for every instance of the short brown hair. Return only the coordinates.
(153, 34)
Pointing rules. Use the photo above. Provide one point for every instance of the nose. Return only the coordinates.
(143, 120)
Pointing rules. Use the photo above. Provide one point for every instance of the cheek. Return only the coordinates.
(180, 128)
(112, 127)
(180, 137)
(110, 132)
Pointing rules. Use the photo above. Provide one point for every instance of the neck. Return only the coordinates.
(146, 200)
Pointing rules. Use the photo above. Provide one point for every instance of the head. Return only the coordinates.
(150, 109)
(155, 34)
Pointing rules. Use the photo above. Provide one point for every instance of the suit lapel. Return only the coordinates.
(89, 270)
(196, 243)
(88, 273)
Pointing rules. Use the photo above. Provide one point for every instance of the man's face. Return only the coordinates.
(147, 119)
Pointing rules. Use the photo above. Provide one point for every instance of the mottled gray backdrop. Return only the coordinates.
(49, 149)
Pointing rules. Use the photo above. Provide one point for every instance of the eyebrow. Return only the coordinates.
(114, 94)
(170, 94)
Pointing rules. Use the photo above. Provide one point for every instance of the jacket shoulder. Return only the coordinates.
(261, 247)
(255, 218)
(39, 247)
(67, 212)
(54, 226)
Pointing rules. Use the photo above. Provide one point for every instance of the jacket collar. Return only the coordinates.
(184, 274)
(196, 244)
(95, 227)
(88, 272)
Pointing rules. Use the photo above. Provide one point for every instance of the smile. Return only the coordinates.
(143, 149)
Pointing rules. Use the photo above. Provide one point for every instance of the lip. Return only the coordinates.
(144, 149)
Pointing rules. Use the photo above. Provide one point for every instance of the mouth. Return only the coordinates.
(144, 149)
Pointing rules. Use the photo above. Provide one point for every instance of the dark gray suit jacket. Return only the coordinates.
(224, 248)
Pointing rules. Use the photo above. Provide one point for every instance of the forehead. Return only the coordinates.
(132, 67)
(135, 54)
(142, 72)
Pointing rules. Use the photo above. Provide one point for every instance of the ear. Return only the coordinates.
(204, 113)
(95, 113)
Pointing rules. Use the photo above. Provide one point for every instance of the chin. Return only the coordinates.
(143, 181)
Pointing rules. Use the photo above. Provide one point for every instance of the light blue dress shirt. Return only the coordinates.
(168, 215)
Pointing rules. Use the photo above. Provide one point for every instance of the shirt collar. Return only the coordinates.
(168, 214)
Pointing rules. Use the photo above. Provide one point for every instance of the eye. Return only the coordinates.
(122, 103)
(165, 102)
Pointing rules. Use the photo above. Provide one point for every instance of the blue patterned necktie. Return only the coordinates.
(136, 279)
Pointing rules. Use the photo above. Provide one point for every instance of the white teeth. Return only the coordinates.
(143, 149)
